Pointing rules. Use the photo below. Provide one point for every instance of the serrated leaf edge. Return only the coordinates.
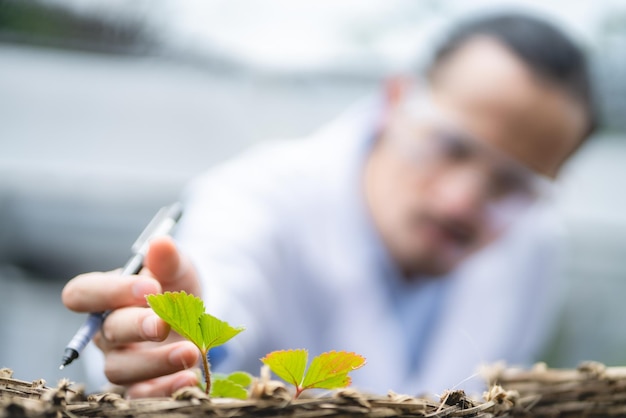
(293, 380)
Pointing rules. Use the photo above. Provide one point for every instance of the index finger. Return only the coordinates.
(97, 292)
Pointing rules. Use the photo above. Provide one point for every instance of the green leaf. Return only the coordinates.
(185, 314)
(219, 376)
(181, 311)
(330, 370)
(226, 388)
(289, 365)
(216, 332)
(241, 378)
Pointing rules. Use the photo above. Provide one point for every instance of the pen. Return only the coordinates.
(162, 224)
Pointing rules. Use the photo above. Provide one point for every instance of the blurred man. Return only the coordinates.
(408, 230)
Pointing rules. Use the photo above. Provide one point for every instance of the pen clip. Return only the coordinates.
(161, 224)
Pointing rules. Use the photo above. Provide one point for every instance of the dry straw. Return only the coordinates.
(592, 390)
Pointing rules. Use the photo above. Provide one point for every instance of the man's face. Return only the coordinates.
(446, 177)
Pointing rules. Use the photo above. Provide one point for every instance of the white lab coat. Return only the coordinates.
(285, 247)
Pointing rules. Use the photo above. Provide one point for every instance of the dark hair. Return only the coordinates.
(547, 51)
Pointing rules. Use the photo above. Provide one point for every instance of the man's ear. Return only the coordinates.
(397, 88)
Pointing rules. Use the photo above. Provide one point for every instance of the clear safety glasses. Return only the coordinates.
(433, 141)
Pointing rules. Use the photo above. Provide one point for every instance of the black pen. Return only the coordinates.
(162, 224)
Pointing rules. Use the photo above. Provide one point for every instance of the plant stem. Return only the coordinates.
(207, 374)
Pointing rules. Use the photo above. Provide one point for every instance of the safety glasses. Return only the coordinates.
(433, 141)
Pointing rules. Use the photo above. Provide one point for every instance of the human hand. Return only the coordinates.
(140, 352)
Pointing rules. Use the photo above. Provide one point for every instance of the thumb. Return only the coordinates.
(171, 268)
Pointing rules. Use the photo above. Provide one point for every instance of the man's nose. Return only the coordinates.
(461, 193)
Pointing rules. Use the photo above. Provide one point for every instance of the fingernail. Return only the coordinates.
(106, 334)
(150, 328)
(177, 357)
(144, 287)
(185, 380)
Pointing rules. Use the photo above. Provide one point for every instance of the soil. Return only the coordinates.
(592, 390)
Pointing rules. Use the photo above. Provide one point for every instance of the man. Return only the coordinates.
(373, 235)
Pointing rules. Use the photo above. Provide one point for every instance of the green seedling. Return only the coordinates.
(186, 315)
(231, 386)
(327, 371)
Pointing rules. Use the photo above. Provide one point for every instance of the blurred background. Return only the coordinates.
(107, 109)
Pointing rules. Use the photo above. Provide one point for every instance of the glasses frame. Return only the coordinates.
(440, 129)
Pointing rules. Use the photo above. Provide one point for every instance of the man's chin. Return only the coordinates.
(430, 267)
(437, 260)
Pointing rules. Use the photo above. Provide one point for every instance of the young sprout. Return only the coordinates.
(231, 386)
(327, 371)
(186, 315)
